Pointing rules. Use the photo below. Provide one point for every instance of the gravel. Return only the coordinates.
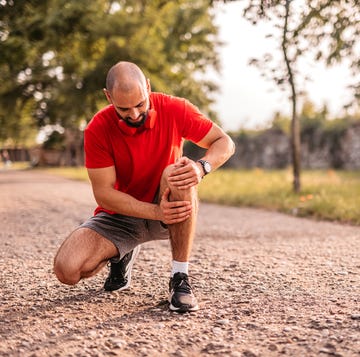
(268, 284)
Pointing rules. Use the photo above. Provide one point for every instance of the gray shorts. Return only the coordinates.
(126, 232)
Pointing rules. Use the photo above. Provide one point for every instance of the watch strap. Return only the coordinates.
(204, 164)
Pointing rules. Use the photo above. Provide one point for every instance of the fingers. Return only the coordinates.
(178, 215)
(182, 161)
(174, 211)
(185, 174)
(165, 195)
(177, 209)
(186, 183)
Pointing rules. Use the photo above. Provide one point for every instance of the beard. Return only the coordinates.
(137, 124)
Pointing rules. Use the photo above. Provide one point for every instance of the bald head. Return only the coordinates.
(125, 76)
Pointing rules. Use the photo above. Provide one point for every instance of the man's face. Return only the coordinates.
(132, 106)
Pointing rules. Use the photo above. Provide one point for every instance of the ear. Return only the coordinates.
(107, 94)
(148, 85)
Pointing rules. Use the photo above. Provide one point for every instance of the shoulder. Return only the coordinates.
(102, 119)
(162, 101)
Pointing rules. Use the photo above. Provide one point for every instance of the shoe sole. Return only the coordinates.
(184, 308)
(129, 270)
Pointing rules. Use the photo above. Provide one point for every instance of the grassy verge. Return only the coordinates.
(330, 195)
(15, 166)
(74, 173)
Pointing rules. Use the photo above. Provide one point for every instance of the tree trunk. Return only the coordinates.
(295, 125)
(73, 147)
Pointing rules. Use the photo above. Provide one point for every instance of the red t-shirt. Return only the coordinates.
(140, 155)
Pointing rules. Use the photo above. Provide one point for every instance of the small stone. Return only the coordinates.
(92, 333)
(216, 330)
(223, 322)
(117, 343)
(273, 347)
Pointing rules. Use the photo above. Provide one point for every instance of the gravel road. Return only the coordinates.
(268, 284)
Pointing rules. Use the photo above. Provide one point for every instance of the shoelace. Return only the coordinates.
(182, 286)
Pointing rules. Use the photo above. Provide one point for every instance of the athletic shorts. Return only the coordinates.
(126, 232)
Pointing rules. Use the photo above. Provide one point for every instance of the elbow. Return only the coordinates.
(104, 204)
(101, 200)
(231, 147)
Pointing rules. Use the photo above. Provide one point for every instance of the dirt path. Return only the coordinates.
(269, 284)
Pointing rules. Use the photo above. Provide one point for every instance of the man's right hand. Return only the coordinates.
(173, 211)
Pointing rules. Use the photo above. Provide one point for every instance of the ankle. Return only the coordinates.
(179, 267)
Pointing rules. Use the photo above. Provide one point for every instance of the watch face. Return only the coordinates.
(207, 167)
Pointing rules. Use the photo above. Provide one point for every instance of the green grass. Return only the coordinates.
(22, 165)
(74, 173)
(328, 195)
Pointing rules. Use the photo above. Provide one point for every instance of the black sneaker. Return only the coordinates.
(181, 297)
(119, 277)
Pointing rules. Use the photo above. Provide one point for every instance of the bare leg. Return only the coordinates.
(181, 234)
(82, 255)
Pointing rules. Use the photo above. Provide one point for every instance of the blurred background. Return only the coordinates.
(326, 85)
(254, 67)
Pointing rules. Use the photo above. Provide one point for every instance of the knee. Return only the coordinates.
(187, 194)
(166, 173)
(64, 272)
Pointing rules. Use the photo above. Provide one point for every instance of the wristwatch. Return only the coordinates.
(206, 166)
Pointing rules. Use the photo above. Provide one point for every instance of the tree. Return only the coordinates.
(285, 74)
(56, 53)
(306, 30)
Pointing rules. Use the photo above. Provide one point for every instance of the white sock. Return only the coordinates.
(179, 267)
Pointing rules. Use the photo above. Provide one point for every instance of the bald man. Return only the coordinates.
(145, 189)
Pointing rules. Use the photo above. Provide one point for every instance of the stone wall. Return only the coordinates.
(351, 147)
(320, 149)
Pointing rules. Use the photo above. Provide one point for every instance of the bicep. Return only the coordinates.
(103, 178)
(214, 134)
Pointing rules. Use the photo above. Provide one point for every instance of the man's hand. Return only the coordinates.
(186, 174)
(175, 211)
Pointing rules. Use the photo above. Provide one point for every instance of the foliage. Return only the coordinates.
(55, 54)
(283, 74)
(54, 141)
(311, 119)
(326, 141)
(325, 29)
(281, 122)
(22, 130)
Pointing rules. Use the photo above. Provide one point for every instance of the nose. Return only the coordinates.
(134, 113)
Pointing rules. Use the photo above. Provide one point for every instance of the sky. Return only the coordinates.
(246, 100)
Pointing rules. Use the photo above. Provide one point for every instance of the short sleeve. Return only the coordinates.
(98, 153)
(194, 124)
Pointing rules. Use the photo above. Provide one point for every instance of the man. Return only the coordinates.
(145, 189)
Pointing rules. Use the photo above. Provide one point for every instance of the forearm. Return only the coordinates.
(220, 151)
(125, 204)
